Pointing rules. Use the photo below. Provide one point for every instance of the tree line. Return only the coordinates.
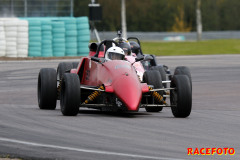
(165, 15)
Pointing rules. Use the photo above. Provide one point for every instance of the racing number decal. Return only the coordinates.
(118, 103)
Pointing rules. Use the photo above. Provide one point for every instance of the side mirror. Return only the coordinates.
(93, 47)
(139, 58)
(148, 58)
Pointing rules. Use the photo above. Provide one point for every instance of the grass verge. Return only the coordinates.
(160, 48)
(8, 157)
(209, 47)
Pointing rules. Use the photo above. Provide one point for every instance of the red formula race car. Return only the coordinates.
(112, 85)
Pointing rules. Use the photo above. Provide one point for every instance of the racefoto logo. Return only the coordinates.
(210, 151)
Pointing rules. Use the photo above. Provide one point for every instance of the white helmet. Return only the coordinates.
(115, 53)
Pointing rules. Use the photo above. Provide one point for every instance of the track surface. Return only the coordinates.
(28, 132)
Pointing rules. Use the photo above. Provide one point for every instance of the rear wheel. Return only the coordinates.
(62, 68)
(70, 94)
(153, 77)
(162, 73)
(75, 64)
(47, 88)
(181, 97)
(182, 70)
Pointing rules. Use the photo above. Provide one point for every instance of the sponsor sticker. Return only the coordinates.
(122, 66)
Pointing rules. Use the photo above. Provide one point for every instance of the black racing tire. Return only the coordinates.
(182, 70)
(162, 73)
(181, 97)
(153, 77)
(47, 88)
(62, 68)
(75, 64)
(70, 94)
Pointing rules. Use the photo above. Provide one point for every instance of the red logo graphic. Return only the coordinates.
(211, 151)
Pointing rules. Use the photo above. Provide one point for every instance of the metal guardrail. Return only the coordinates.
(159, 36)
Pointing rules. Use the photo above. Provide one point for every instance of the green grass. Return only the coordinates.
(230, 46)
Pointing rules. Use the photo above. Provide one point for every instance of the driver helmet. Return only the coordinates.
(135, 47)
(126, 47)
(115, 53)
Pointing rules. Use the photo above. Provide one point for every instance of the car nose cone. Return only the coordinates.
(129, 91)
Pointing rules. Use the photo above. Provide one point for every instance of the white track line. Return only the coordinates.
(83, 150)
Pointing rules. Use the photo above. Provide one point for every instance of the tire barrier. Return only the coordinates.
(83, 35)
(71, 37)
(47, 38)
(58, 42)
(44, 37)
(35, 38)
(11, 37)
(2, 40)
(22, 38)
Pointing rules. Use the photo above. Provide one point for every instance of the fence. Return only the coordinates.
(36, 8)
(160, 36)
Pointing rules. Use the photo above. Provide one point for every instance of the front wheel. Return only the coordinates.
(47, 88)
(181, 97)
(70, 94)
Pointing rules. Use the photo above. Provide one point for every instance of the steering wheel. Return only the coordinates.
(104, 42)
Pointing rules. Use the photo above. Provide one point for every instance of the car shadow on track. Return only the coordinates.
(114, 114)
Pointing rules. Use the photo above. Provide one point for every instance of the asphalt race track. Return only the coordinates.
(31, 133)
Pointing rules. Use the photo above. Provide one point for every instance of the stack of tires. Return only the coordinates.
(22, 38)
(71, 37)
(83, 36)
(58, 41)
(47, 39)
(11, 38)
(2, 40)
(35, 38)
(44, 37)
